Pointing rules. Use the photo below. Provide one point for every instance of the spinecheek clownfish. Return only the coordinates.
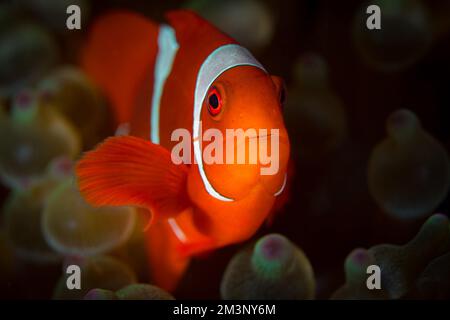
(160, 78)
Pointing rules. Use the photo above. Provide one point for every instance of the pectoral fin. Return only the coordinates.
(127, 170)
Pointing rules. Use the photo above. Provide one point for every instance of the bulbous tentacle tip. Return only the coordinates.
(142, 291)
(360, 257)
(435, 226)
(24, 106)
(357, 262)
(311, 68)
(438, 218)
(100, 294)
(61, 166)
(402, 124)
(272, 254)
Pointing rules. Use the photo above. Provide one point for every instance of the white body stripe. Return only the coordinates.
(167, 50)
(219, 61)
(177, 230)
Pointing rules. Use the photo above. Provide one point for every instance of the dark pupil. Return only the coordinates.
(214, 101)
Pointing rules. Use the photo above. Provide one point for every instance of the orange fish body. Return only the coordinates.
(160, 78)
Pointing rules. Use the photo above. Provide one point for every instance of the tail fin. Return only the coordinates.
(120, 50)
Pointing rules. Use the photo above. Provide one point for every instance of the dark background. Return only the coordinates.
(330, 211)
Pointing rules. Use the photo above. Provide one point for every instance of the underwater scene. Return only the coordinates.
(123, 175)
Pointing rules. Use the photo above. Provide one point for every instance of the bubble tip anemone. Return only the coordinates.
(437, 218)
(402, 124)
(142, 291)
(100, 294)
(357, 262)
(271, 254)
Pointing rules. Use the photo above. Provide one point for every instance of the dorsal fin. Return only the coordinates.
(197, 39)
(120, 51)
(194, 30)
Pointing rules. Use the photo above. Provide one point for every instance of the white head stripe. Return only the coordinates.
(219, 61)
(167, 49)
(282, 187)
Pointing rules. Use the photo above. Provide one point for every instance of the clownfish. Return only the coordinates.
(161, 77)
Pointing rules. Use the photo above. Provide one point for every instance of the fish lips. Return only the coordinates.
(236, 181)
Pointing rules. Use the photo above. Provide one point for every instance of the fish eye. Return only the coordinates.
(214, 102)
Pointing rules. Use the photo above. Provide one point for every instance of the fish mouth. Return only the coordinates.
(268, 172)
(268, 191)
(258, 136)
(275, 184)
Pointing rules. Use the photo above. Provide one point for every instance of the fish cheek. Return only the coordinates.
(228, 221)
(233, 181)
(226, 175)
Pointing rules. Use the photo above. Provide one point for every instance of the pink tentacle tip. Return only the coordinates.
(23, 100)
